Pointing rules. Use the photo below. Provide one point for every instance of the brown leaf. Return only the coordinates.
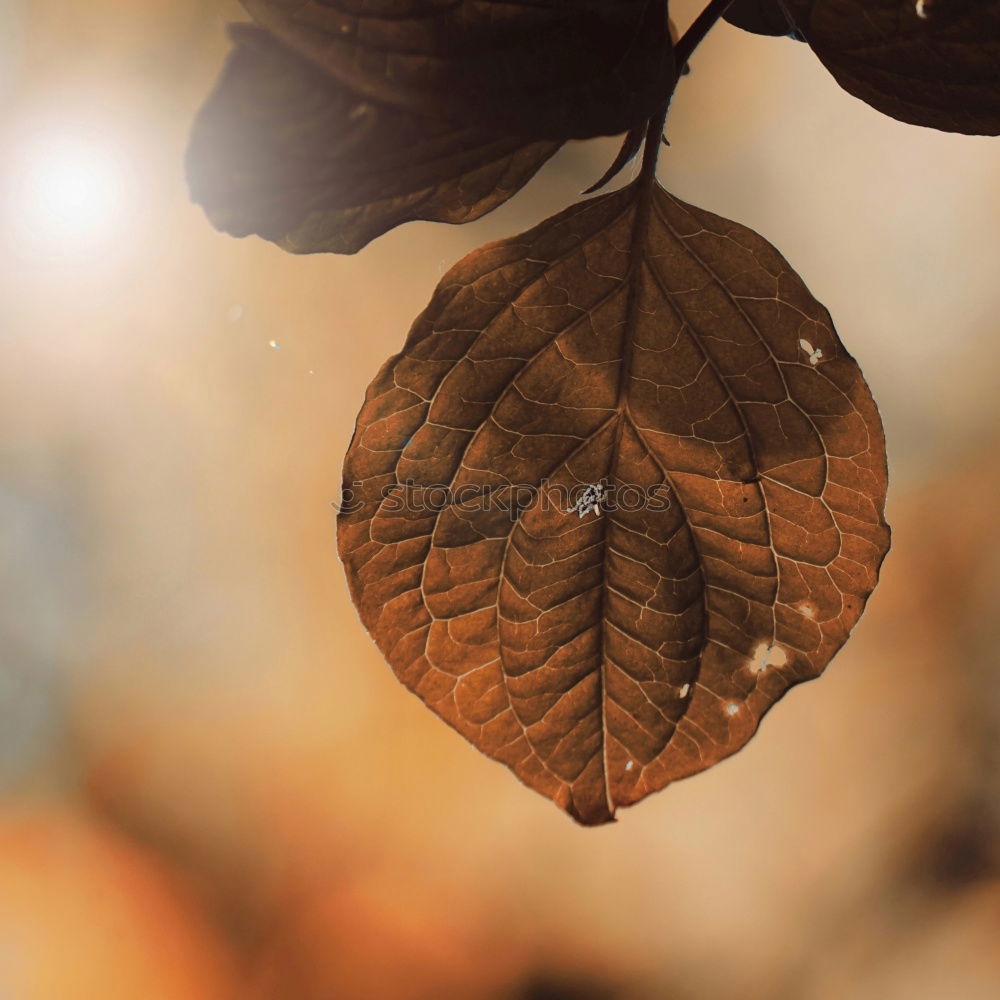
(286, 152)
(634, 341)
(926, 62)
(563, 69)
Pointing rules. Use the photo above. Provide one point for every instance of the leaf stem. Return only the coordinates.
(683, 50)
(695, 35)
(680, 53)
(651, 149)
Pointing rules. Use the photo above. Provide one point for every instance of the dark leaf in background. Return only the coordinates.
(762, 17)
(286, 152)
(926, 62)
(598, 646)
(558, 69)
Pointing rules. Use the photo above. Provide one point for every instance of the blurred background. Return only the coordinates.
(210, 784)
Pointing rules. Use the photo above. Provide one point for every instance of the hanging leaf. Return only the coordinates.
(622, 488)
(284, 151)
(557, 69)
(926, 62)
(762, 17)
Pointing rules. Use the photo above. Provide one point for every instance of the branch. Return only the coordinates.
(700, 27)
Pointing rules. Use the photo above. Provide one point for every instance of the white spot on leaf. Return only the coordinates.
(630, 765)
(589, 500)
(732, 708)
(807, 609)
(765, 656)
(813, 354)
(685, 690)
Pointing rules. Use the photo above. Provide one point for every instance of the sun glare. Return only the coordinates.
(67, 193)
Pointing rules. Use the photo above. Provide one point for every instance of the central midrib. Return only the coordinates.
(644, 187)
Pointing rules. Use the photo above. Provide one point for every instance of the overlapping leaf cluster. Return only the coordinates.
(632, 342)
(925, 62)
(336, 120)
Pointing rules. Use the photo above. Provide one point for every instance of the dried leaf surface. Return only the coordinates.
(286, 152)
(548, 68)
(926, 62)
(602, 650)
